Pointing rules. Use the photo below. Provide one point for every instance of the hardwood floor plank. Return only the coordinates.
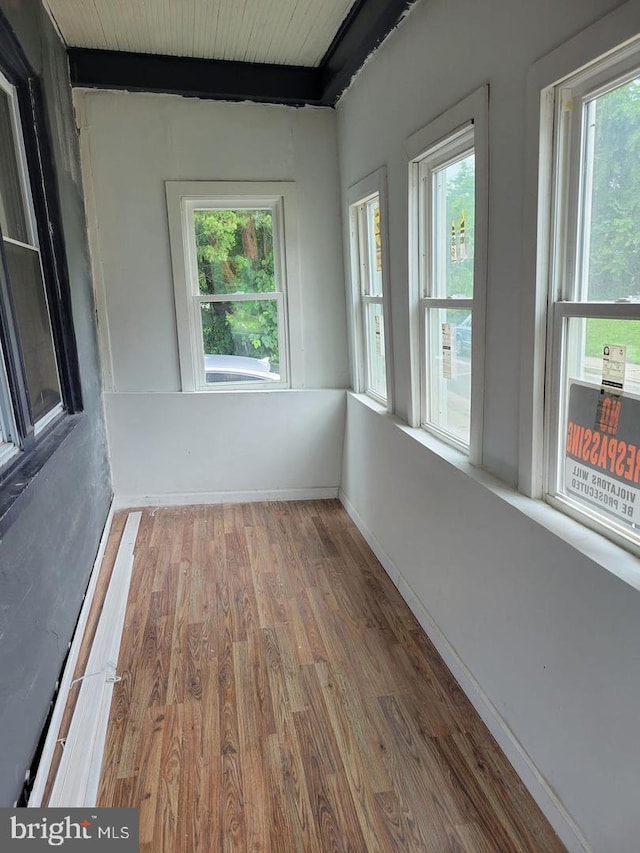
(355, 769)
(260, 689)
(277, 695)
(485, 777)
(169, 782)
(279, 814)
(296, 793)
(292, 673)
(400, 823)
(234, 833)
(255, 801)
(428, 795)
(192, 799)
(473, 839)
(312, 633)
(362, 716)
(277, 686)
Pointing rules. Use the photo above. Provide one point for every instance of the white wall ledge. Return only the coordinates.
(597, 548)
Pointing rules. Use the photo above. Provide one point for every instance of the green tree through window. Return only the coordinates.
(235, 256)
(614, 252)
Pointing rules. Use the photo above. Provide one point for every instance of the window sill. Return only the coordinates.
(595, 547)
(226, 387)
(19, 479)
(374, 405)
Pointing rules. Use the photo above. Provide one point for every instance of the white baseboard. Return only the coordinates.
(551, 806)
(78, 777)
(180, 499)
(44, 765)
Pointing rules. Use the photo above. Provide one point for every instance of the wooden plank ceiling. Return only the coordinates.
(283, 32)
(274, 51)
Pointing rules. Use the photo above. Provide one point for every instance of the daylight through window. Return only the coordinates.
(446, 214)
(230, 262)
(368, 274)
(594, 383)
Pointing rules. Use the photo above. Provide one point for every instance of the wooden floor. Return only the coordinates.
(278, 695)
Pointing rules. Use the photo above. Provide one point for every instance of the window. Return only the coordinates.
(448, 262)
(38, 363)
(370, 309)
(232, 266)
(593, 382)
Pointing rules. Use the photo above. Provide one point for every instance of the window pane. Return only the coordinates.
(454, 228)
(449, 371)
(374, 330)
(373, 280)
(12, 217)
(600, 430)
(611, 195)
(27, 289)
(234, 251)
(240, 340)
(586, 340)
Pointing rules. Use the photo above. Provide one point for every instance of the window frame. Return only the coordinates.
(374, 184)
(469, 114)
(183, 197)
(561, 167)
(32, 243)
(37, 177)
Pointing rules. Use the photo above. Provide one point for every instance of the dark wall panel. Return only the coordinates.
(47, 552)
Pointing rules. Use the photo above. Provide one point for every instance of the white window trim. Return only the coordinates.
(566, 256)
(281, 197)
(358, 193)
(459, 144)
(605, 36)
(472, 110)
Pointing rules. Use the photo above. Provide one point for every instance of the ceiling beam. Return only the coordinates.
(201, 78)
(366, 26)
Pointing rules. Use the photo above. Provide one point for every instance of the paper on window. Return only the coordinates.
(613, 368)
(379, 334)
(448, 332)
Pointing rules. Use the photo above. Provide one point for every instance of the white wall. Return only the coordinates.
(545, 639)
(131, 144)
(239, 446)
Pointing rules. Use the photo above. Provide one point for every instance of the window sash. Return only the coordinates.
(369, 343)
(432, 249)
(197, 299)
(370, 283)
(369, 290)
(431, 258)
(568, 281)
(36, 333)
(562, 377)
(21, 164)
(433, 392)
(17, 385)
(275, 296)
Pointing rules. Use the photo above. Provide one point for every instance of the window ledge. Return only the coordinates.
(597, 548)
(374, 405)
(19, 479)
